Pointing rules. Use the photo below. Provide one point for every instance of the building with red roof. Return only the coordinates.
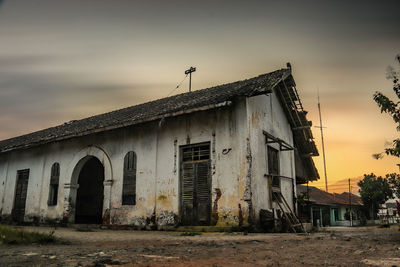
(325, 209)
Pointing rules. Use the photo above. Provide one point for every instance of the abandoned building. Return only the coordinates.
(215, 156)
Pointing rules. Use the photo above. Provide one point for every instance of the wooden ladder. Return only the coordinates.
(291, 217)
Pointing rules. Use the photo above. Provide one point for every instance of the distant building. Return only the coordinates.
(325, 209)
(388, 211)
(208, 157)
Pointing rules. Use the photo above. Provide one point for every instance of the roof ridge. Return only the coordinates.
(146, 111)
(185, 94)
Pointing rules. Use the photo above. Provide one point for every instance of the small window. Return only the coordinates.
(273, 166)
(195, 153)
(129, 179)
(54, 182)
(273, 161)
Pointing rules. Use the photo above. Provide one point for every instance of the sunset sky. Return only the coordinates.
(64, 60)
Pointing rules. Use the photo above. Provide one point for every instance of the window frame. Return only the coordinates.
(54, 184)
(269, 167)
(129, 179)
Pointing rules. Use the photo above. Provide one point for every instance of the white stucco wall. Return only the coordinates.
(266, 114)
(156, 146)
(238, 178)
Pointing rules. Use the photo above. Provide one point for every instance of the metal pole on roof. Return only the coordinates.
(323, 145)
(189, 71)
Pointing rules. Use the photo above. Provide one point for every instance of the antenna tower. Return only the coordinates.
(189, 71)
(323, 145)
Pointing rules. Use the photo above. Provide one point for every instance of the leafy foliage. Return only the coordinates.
(374, 191)
(302, 199)
(391, 107)
(394, 180)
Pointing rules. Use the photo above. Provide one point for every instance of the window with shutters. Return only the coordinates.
(54, 182)
(129, 183)
(273, 165)
(195, 184)
(196, 152)
(273, 161)
(21, 190)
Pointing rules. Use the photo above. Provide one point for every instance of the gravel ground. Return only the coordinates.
(361, 246)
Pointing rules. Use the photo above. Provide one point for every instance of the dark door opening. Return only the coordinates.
(90, 194)
(195, 185)
(21, 190)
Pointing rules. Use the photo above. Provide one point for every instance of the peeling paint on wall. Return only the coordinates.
(106, 217)
(228, 217)
(175, 155)
(214, 215)
(213, 152)
(247, 193)
(240, 215)
(166, 218)
(255, 120)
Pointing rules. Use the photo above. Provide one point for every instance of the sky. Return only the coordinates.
(66, 60)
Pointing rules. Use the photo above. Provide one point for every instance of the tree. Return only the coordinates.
(394, 181)
(374, 191)
(391, 107)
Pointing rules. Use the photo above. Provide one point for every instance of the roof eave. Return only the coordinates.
(118, 126)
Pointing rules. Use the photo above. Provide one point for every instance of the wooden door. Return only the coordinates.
(187, 193)
(21, 190)
(196, 185)
(202, 193)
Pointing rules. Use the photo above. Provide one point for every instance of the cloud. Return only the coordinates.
(30, 101)
(12, 61)
(339, 186)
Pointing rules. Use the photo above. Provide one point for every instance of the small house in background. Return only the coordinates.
(389, 211)
(325, 209)
(217, 156)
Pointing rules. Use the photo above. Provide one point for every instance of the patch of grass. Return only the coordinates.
(189, 234)
(11, 235)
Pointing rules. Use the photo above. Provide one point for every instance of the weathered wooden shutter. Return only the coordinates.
(196, 185)
(20, 195)
(188, 172)
(54, 182)
(203, 192)
(129, 179)
(273, 161)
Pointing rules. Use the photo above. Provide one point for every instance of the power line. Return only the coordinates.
(179, 84)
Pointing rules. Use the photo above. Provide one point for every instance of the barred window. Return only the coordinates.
(129, 179)
(54, 182)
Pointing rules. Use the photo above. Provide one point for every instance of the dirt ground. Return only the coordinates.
(364, 246)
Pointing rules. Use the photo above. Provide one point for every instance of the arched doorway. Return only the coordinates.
(90, 193)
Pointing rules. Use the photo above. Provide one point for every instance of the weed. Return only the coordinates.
(10, 235)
